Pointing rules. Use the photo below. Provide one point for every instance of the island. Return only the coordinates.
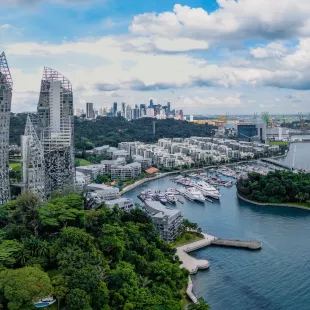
(279, 188)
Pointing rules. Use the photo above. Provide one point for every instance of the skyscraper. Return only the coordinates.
(33, 171)
(115, 108)
(123, 109)
(55, 120)
(90, 113)
(142, 110)
(6, 87)
(151, 103)
(128, 112)
(168, 110)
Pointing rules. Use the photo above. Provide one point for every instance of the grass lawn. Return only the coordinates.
(83, 162)
(278, 143)
(186, 238)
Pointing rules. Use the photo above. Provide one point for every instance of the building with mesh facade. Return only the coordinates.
(6, 87)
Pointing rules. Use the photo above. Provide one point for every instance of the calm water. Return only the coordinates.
(276, 277)
(302, 157)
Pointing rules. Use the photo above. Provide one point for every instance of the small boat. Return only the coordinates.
(45, 302)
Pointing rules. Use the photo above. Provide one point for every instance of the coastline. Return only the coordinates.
(272, 204)
(162, 175)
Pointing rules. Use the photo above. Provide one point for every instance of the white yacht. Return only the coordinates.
(191, 194)
(196, 194)
(170, 196)
(207, 189)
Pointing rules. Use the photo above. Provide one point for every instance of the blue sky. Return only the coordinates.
(205, 57)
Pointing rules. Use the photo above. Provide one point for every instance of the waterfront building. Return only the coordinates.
(55, 127)
(278, 134)
(6, 88)
(127, 172)
(33, 167)
(167, 221)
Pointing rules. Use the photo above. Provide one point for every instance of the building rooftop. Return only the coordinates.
(159, 210)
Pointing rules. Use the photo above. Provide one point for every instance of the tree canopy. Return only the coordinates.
(101, 259)
(276, 187)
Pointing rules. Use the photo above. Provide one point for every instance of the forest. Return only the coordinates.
(112, 130)
(276, 187)
(99, 259)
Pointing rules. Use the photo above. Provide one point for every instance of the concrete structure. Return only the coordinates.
(278, 134)
(126, 172)
(33, 167)
(55, 128)
(6, 88)
(167, 221)
(81, 181)
(90, 113)
(92, 171)
(125, 204)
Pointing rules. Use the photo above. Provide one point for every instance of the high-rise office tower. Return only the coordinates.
(168, 110)
(123, 109)
(128, 112)
(6, 87)
(142, 110)
(115, 108)
(33, 171)
(151, 103)
(55, 125)
(135, 113)
(90, 113)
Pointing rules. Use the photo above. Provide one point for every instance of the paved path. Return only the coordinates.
(190, 263)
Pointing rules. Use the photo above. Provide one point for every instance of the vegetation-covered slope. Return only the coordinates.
(101, 259)
(276, 187)
(112, 130)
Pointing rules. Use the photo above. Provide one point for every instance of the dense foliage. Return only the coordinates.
(101, 259)
(276, 187)
(112, 130)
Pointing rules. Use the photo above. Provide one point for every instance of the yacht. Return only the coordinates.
(161, 197)
(207, 189)
(170, 196)
(196, 194)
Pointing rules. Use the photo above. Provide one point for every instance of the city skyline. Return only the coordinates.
(204, 57)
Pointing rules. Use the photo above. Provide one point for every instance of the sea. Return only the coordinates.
(273, 278)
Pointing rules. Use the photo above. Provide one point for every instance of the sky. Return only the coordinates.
(204, 56)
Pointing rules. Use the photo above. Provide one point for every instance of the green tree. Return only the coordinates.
(20, 288)
(201, 305)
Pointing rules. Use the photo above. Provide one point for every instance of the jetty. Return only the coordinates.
(251, 245)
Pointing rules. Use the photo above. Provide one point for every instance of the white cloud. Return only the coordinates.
(234, 20)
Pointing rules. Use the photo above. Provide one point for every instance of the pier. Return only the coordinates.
(251, 245)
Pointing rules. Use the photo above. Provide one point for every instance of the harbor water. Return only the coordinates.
(276, 277)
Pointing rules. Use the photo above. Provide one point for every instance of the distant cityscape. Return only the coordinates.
(157, 111)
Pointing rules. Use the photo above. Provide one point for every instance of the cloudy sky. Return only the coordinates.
(204, 56)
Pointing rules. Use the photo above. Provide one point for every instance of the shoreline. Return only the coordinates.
(272, 204)
(162, 175)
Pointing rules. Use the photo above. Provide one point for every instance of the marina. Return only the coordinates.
(251, 277)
